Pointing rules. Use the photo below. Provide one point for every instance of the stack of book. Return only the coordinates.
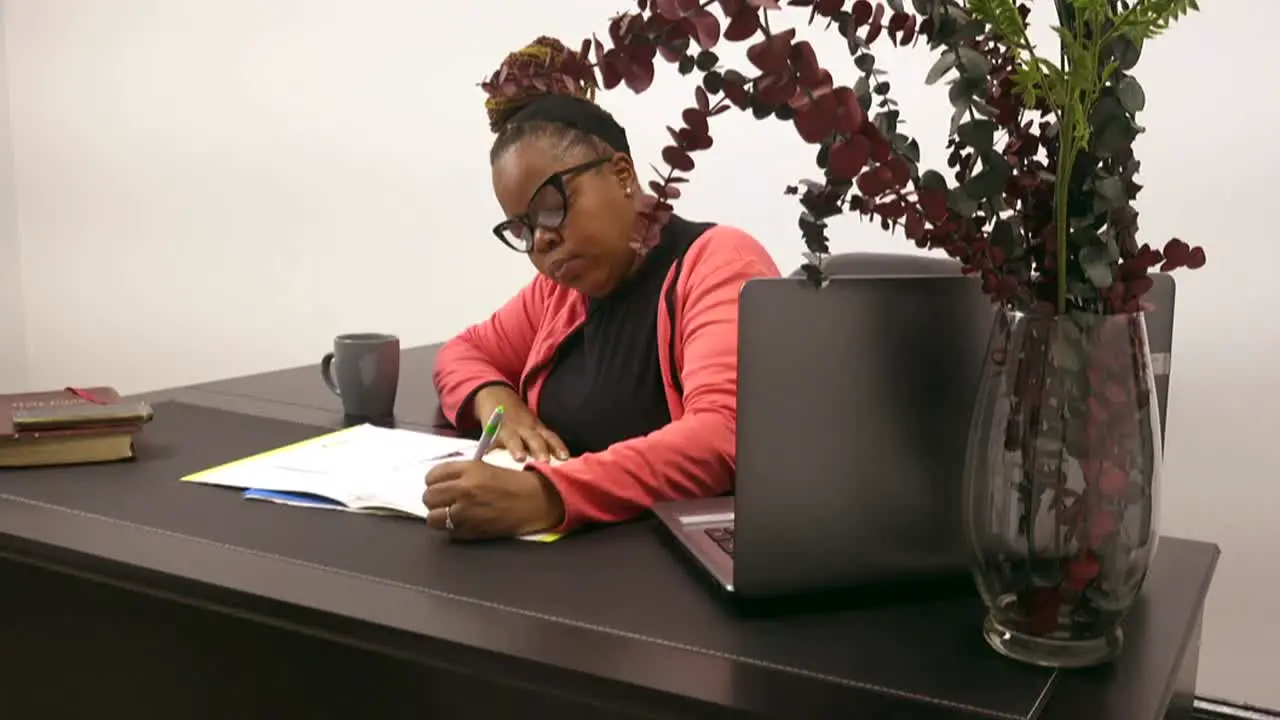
(67, 427)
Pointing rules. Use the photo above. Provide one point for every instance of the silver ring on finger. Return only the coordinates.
(448, 517)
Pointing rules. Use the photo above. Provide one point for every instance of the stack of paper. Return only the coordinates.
(364, 468)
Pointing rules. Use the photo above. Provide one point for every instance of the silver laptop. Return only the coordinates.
(853, 414)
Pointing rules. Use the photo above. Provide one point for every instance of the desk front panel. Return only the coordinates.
(72, 647)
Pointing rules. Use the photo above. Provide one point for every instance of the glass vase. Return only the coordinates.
(1061, 483)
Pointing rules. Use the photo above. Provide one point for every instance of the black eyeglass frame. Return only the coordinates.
(556, 181)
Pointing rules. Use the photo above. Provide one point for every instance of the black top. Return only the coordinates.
(605, 384)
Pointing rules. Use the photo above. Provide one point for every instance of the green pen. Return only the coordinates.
(491, 429)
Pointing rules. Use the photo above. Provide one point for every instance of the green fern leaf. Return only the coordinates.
(1147, 19)
(1001, 16)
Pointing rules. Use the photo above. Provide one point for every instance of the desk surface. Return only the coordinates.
(608, 615)
(301, 387)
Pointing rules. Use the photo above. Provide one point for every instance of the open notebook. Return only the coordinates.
(364, 468)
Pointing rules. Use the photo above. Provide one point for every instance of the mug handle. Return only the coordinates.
(326, 373)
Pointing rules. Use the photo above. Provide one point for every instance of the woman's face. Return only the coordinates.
(573, 210)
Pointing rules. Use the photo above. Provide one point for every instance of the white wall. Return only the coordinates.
(214, 188)
(13, 339)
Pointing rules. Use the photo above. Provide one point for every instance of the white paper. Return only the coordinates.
(366, 468)
(362, 465)
(368, 450)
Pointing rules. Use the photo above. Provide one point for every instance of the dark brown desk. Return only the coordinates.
(136, 594)
(301, 387)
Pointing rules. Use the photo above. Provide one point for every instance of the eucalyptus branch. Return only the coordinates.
(1072, 89)
(1017, 215)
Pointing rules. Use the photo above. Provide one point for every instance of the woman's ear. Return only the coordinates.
(624, 172)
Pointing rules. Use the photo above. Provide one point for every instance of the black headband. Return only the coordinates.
(577, 113)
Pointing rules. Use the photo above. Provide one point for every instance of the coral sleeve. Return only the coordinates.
(494, 351)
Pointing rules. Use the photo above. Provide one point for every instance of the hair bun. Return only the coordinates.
(543, 67)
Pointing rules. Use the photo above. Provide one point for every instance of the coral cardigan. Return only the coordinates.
(691, 457)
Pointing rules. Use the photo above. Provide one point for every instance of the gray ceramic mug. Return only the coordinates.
(364, 371)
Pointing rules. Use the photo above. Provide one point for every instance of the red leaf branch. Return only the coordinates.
(1005, 234)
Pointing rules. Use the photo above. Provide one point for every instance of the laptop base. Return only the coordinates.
(699, 528)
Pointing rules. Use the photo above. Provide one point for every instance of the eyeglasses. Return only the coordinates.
(548, 209)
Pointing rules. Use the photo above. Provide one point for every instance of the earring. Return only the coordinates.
(627, 192)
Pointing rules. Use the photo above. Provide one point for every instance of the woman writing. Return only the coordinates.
(618, 359)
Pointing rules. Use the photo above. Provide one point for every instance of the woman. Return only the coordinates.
(619, 359)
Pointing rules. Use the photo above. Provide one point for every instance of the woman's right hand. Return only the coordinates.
(522, 434)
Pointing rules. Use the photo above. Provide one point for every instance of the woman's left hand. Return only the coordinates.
(474, 500)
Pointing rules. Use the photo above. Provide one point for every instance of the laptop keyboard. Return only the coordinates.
(722, 536)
